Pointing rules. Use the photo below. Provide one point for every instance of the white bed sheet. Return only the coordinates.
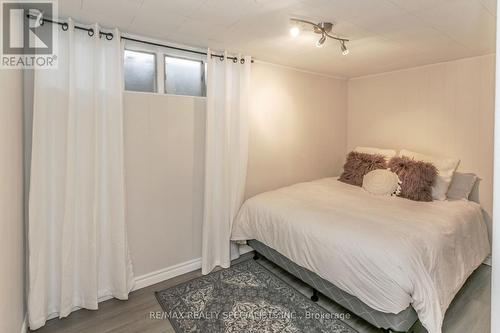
(387, 251)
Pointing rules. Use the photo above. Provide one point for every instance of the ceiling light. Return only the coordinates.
(323, 28)
(295, 31)
(321, 41)
(343, 48)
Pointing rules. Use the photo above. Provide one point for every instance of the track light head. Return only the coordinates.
(295, 31)
(321, 41)
(343, 48)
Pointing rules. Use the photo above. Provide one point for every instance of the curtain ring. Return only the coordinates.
(221, 58)
(42, 21)
(90, 32)
(109, 36)
(235, 60)
(242, 61)
(65, 26)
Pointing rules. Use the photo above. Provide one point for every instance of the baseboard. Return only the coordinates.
(149, 279)
(24, 327)
(487, 261)
(142, 281)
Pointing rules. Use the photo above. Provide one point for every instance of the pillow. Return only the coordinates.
(417, 177)
(446, 168)
(461, 186)
(382, 182)
(359, 164)
(387, 153)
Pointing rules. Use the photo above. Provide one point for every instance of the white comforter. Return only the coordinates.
(387, 251)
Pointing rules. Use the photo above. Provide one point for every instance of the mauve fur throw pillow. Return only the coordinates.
(358, 165)
(417, 177)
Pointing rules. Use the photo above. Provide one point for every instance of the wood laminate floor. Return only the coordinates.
(469, 312)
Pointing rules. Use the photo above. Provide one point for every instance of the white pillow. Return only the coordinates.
(446, 168)
(382, 182)
(388, 153)
(461, 186)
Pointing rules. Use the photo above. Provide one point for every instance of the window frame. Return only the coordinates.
(155, 55)
(202, 74)
(160, 52)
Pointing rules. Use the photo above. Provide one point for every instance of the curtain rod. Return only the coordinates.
(65, 26)
(220, 56)
(109, 36)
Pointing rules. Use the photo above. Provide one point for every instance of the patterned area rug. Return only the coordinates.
(244, 298)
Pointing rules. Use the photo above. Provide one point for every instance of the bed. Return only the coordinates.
(385, 258)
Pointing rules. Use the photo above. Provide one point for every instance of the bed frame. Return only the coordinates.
(402, 322)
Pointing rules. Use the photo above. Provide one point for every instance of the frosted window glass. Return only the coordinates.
(184, 77)
(140, 71)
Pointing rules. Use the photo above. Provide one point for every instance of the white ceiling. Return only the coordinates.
(385, 34)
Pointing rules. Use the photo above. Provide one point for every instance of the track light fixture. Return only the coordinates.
(323, 28)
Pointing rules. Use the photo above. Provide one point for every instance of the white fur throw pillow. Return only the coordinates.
(382, 182)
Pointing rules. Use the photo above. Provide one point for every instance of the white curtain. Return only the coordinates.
(78, 251)
(226, 155)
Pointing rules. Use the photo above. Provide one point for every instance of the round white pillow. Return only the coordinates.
(382, 182)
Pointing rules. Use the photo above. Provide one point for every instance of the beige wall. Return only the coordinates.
(297, 127)
(443, 109)
(291, 139)
(11, 202)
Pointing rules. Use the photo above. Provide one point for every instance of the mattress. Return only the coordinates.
(388, 252)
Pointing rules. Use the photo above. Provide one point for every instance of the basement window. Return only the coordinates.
(184, 76)
(140, 71)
